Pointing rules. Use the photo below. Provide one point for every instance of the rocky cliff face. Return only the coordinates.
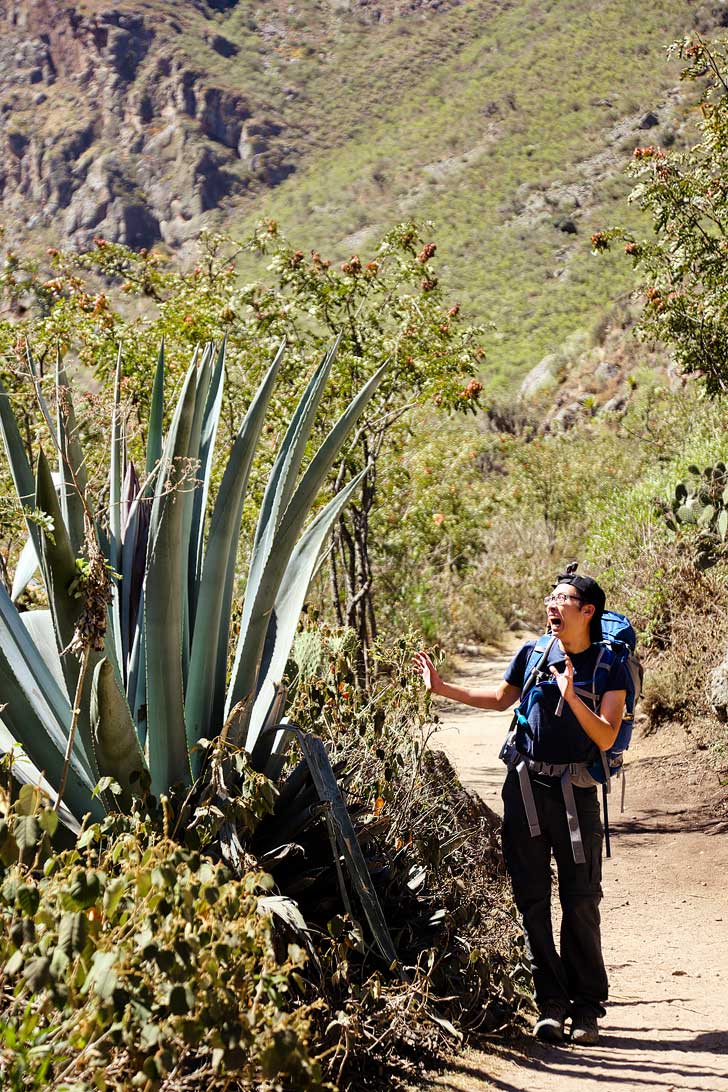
(107, 128)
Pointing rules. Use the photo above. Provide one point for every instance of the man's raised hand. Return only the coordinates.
(425, 667)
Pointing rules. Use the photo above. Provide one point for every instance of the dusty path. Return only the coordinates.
(664, 917)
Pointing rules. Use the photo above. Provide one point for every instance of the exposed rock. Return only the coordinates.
(187, 143)
(541, 377)
(648, 120)
(566, 417)
(718, 690)
(566, 224)
(615, 404)
(606, 371)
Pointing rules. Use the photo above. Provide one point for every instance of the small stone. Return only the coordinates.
(648, 120)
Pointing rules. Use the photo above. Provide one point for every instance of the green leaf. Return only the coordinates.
(73, 483)
(73, 933)
(116, 475)
(60, 572)
(27, 833)
(118, 753)
(181, 999)
(102, 977)
(263, 587)
(25, 570)
(39, 624)
(156, 415)
(48, 819)
(14, 964)
(206, 445)
(28, 899)
(28, 800)
(37, 973)
(287, 609)
(165, 607)
(112, 896)
(19, 466)
(84, 889)
(205, 698)
(37, 714)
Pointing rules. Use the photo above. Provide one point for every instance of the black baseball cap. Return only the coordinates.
(590, 592)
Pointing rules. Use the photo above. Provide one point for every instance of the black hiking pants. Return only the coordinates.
(575, 978)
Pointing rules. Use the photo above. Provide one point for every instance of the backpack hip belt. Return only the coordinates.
(568, 773)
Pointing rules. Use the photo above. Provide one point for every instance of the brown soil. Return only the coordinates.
(664, 921)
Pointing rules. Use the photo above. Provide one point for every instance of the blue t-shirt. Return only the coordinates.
(548, 738)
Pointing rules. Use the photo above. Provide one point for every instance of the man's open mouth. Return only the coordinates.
(555, 621)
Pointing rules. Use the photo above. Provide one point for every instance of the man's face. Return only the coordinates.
(568, 616)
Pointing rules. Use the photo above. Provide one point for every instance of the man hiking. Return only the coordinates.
(563, 722)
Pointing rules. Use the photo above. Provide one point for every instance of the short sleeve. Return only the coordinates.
(515, 673)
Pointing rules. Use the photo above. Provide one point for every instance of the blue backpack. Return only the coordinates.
(618, 645)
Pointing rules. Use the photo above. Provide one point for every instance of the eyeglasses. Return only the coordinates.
(561, 599)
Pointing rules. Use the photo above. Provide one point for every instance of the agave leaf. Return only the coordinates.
(32, 637)
(134, 532)
(19, 466)
(288, 605)
(27, 773)
(39, 624)
(36, 713)
(199, 504)
(206, 680)
(59, 565)
(164, 610)
(136, 683)
(280, 485)
(117, 747)
(73, 485)
(25, 570)
(287, 910)
(116, 469)
(285, 469)
(156, 415)
(328, 790)
(260, 598)
(315, 474)
(59, 568)
(722, 523)
(188, 533)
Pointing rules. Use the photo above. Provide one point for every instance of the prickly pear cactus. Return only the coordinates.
(700, 503)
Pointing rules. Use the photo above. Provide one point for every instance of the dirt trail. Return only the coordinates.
(664, 922)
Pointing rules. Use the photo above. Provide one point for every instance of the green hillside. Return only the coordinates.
(507, 125)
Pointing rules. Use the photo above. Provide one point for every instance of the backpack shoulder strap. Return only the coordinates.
(536, 662)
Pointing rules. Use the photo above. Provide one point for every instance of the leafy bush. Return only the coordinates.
(165, 933)
(133, 956)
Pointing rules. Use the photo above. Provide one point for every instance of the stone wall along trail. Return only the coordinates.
(664, 920)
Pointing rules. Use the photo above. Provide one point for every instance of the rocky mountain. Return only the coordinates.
(109, 128)
(506, 122)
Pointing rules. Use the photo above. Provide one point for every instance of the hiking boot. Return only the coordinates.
(584, 1029)
(549, 1027)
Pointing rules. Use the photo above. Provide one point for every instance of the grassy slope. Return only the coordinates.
(470, 118)
(458, 118)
